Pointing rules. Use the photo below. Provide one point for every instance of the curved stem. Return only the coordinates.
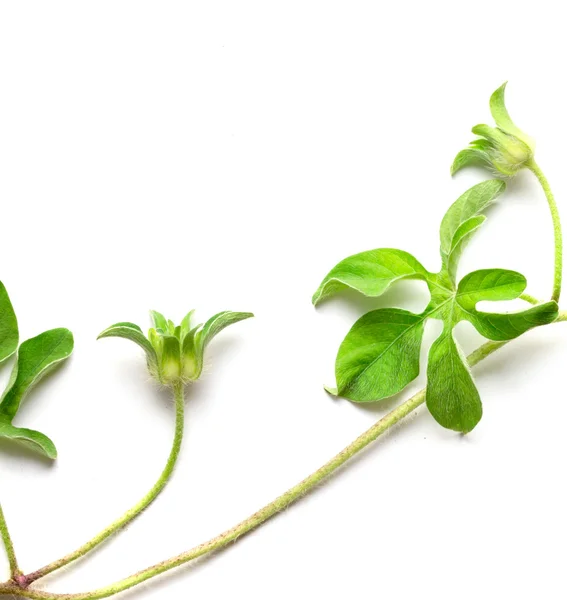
(270, 509)
(534, 167)
(528, 298)
(8, 544)
(137, 508)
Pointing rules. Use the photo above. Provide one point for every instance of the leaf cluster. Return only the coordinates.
(380, 354)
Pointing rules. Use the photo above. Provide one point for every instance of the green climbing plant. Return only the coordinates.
(377, 359)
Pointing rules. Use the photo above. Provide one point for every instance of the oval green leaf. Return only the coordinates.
(371, 273)
(451, 395)
(380, 355)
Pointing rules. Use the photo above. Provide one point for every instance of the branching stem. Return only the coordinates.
(269, 510)
(137, 508)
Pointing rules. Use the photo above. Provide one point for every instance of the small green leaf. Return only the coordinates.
(451, 395)
(502, 118)
(34, 439)
(503, 327)
(489, 284)
(495, 285)
(186, 324)
(36, 357)
(216, 324)
(380, 355)
(159, 321)
(132, 332)
(469, 157)
(8, 326)
(470, 204)
(461, 238)
(371, 273)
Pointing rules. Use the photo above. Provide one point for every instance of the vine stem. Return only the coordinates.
(558, 272)
(293, 494)
(137, 508)
(8, 544)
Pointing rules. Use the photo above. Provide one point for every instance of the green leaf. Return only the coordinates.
(489, 284)
(451, 395)
(371, 273)
(34, 439)
(461, 238)
(36, 357)
(502, 118)
(216, 324)
(159, 321)
(380, 355)
(8, 326)
(186, 324)
(463, 219)
(132, 332)
(503, 327)
(494, 285)
(469, 157)
(470, 204)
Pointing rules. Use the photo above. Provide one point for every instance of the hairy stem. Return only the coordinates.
(534, 167)
(137, 508)
(270, 509)
(8, 544)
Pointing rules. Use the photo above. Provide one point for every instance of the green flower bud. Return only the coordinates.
(504, 149)
(167, 341)
(174, 354)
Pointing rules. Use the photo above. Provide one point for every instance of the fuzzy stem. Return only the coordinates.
(270, 509)
(137, 508)
(8, 544)
(534, 167)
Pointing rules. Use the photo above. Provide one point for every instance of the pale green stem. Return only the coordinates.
(270, 509)
(534, 167)
(8, 544)
(137, 508)
(530, 299)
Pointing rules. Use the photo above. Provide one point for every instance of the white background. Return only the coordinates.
(225, 155)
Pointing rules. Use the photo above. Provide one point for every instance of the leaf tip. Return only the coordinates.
(331, 390)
